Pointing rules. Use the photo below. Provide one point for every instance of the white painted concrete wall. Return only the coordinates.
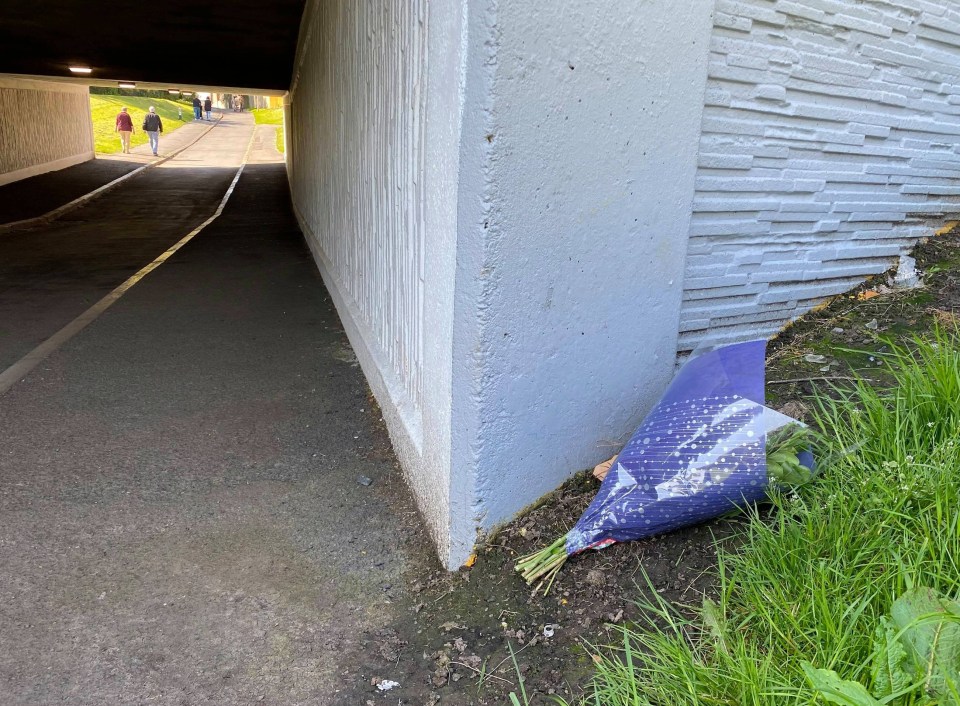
(373, 120)
(830, 143)
(578, 158)
(43, 126)
(523, 210)
(498, 196)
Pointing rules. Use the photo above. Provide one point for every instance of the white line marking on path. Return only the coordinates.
(99, 191)
(20, 369)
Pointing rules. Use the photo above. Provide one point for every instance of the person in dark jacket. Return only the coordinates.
(207, 106)
(153, 126)
(125, 128)
(196, 108)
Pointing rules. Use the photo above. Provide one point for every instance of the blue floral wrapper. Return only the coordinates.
(699, 453)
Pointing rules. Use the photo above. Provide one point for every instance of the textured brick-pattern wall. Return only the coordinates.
(830, 142)
(41, 126)
(356, 141)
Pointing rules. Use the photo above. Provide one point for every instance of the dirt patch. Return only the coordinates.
(451, 643)
(848, 337)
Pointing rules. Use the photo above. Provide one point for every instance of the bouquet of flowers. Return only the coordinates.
(709, 445)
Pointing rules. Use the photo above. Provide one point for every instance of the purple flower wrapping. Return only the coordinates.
(700, 452)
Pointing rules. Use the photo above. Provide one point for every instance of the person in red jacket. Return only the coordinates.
(125, 128)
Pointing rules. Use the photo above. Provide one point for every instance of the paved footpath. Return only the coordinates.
(50, 274)
(180, 515)
(29, 198)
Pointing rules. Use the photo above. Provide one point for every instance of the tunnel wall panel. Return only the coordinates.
(46, 126)
(830, 143)
(579, 153)
(372, 135)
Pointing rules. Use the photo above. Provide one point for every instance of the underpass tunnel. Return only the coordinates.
(460, 174)
(183, 422)
(52, 54)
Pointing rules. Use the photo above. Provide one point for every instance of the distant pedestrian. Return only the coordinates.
(196, 107)
(153, 126)
(207, 106)
(125, 128)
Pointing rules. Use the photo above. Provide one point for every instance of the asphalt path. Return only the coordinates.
(182, 517)
(38, 195)
(52, 273)
(33, 197)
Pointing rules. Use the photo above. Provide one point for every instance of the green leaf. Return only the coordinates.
(782, 447)
(891, 668)
(836, 690)
(714, 622)
(929, 627)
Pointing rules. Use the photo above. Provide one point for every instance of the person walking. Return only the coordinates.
(207, 106)
(153, 126)
(125, 128)
(196, 107)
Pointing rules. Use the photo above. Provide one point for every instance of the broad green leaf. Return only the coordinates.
(929, 627)
(891, 669)
(836, 690)
(712, 619)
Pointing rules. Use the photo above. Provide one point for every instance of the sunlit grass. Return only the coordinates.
(813, 582)
(271, 116)
(104, 109)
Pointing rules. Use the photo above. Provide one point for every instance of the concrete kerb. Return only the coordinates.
(100, 191)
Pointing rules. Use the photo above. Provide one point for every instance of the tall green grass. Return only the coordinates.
(813, 582)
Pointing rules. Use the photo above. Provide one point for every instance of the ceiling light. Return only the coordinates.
(173, 91)
(127, 84)
(186, 93)
(80, 69)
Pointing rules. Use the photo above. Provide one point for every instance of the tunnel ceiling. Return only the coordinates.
(191, 42)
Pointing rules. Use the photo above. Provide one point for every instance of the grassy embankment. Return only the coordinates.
(823, 584)
(271, 116)
(104, 109)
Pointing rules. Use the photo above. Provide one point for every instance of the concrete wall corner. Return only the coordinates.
(578, 158)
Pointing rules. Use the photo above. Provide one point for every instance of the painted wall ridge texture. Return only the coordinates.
(46, 126)
(830, 143)
(362, 200)
(373, 133)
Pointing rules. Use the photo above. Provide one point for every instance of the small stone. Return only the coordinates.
(363, 480)
(595, 577)
(872, 325)
(838, 330)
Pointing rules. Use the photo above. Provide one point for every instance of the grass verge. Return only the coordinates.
(271, 116)
(104, 109)
(814, 580)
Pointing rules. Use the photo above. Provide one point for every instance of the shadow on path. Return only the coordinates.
(29, 198)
